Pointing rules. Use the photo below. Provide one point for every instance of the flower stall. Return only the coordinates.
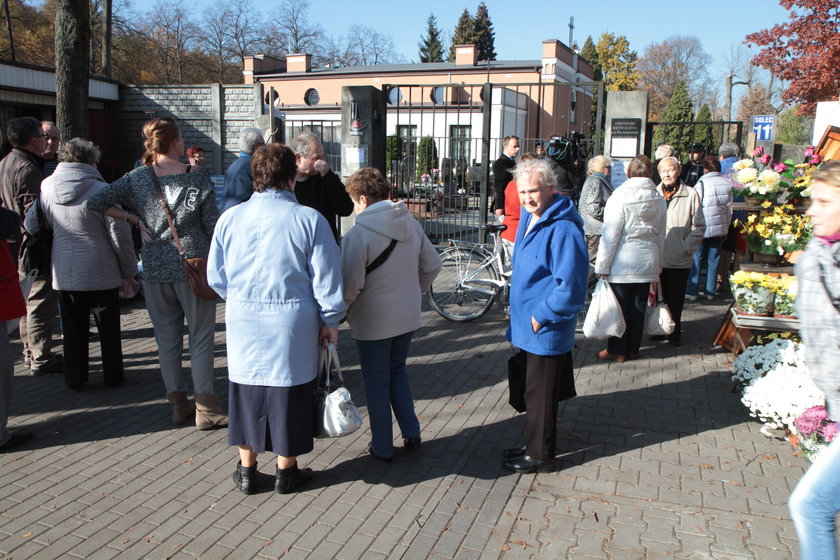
(774, 385)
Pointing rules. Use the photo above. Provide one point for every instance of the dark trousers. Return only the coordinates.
(673, 282)
(633, 301)
(75, 315)
(547, 380)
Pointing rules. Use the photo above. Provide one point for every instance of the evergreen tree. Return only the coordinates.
(679, 110)
(431, 48)
(484, 33)
(791, 128)
(703, 133)
(464, 34)
(590, 54)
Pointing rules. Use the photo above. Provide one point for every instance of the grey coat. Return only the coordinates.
(593, 198)
(817, 301)
(90, 250)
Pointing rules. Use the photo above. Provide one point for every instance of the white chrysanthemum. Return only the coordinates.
(746, 175)
(743, 164)
(770, 177)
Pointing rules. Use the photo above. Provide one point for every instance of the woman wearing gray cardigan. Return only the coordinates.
(91, 257)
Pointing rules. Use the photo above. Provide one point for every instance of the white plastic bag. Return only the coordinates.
(604, 318)
(335, 413)
(658, 321)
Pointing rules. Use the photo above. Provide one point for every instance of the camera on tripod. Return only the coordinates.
(566, 150)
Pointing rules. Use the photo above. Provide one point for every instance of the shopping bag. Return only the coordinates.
(335, 413)
(25, 288)
(604, 318)
(516, 381)
(658, 321)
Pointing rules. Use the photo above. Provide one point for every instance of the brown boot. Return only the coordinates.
(209, 413)
(182, 410)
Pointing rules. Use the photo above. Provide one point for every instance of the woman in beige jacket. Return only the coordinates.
(684, 229)
(387, 262)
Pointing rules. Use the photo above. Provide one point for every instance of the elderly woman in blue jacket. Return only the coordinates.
(276, 264)
(548, 288)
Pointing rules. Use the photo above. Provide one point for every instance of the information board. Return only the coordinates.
(625, 136)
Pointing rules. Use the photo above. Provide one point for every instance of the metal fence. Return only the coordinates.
(711, 134)
(328, 131)
(442, 140)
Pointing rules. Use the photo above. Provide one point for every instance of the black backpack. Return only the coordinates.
(37, 247)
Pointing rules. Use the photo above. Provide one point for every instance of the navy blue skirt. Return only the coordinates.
(277, 419)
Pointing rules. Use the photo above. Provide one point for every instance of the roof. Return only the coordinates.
(428, 67)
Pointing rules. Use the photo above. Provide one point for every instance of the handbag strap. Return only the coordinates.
(166, 212)
(377, 262)
(326, 361)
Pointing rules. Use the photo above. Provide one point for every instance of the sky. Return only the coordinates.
(520, 27)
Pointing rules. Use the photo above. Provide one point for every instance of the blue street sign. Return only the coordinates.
(763, 127)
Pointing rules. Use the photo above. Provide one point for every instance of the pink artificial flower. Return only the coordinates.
(759, 151)
(816, 159)
(829, 431)
(810, 421)
(779, 167)
(809, 151)
(765, 159)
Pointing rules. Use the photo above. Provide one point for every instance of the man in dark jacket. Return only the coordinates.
(502, 169)
(693, 168)
(316, 186)
(238, 179)
(20, 185)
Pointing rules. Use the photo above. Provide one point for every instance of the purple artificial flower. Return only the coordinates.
(760, 150)
(810, 421)
(829, 431)
(780, 167)
(765, 159)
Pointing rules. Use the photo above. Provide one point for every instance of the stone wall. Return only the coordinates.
(210, 116)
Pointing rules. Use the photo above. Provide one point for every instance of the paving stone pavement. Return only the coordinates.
(657, 459)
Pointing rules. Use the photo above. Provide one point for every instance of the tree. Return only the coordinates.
(431, 48)
(590, 54)
(757, 101)
(242, 32)
(427, 156)
(791, 128)
(679, 109)
(362, 46)
(484, 36)
(703, 134)
(803, 52)
(72, 66)
(617, 63)
(298, 34)
(664, 65)
(464, 34)
(215, 37)
(172, 34)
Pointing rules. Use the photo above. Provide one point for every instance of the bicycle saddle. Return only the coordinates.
(493, 228)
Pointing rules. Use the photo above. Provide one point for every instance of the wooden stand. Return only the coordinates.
(737, 331)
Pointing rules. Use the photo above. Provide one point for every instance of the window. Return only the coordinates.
(438, 95)
(408, 135)
(311, 97)
(394, 96)
(459, 135)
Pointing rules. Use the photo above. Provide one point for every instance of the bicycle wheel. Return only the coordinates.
(464, 289)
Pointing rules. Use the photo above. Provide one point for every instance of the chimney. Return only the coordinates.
(552, 48)
(298, 63)
(259, 64)
(466, 55)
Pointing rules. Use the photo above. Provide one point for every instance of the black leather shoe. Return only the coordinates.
(15, 439)
(514, 452)
(657, 338)
(528, 465)
(375, 456)
(674, 341)
(412, 444)
(289, 480)
(245, 478)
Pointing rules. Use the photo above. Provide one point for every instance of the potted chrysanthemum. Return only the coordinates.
(753, 292)
(814, 431)
(784, 303)
(774, 234)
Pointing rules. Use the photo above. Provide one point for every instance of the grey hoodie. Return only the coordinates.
(90, 251)
(386, 302)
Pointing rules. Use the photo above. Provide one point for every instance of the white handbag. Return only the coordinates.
(335, 413)
(658, 319)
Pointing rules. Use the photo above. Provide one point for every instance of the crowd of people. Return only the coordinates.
(275, 256)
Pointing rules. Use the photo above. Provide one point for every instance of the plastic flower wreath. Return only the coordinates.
(778, 182)
(782, 231)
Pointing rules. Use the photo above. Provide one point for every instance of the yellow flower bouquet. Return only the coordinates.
(778, 232)
(784, 303)
(754, 292)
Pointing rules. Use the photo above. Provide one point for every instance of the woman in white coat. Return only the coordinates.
(630, 253)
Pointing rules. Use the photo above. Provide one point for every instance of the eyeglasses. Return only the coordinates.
(43, 135)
